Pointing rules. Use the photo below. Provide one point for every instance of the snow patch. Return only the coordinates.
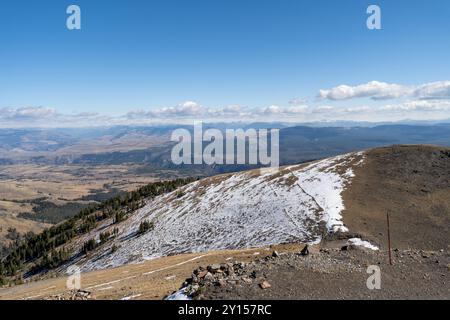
(179, 295)
(362, 243)
(131, 297)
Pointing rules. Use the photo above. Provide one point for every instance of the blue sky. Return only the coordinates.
(153, 59)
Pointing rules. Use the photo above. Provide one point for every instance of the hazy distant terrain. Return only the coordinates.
(47, 175)
(152, 145)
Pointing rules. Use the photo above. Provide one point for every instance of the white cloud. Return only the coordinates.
(419, 105)
(26, 113)
(298, 101)
(375, 90)
(45, 116)
(189, 105)
(188, 108)
(323, 109)
(233, 109)
(270, 110)
(417, 108)
(196, 111)
(277, 110)
(433, 90)
(358, 109)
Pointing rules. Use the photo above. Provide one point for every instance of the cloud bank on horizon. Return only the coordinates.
(376, 90)
(386, 102)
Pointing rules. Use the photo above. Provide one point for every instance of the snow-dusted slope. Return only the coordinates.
(247, 209)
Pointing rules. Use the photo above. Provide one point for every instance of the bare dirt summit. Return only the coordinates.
(412, 184)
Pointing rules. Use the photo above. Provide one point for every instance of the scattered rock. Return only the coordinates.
(264, 285)
(192, 289)
(222, 283)
(209, 277)
(202, 274)
(247, 280)
(73, 295)
(275, 254)
(214, 267)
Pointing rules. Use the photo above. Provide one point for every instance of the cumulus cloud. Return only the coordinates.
(422, 106)
(269, 110)
(323, 109)
(298, 101)
(45, 116)
(358, 109)
(233, 109)
(375, 90)
(418, 105)
(433, 90)
(188, 108)
(275, 110)
(195, 111)
(26, 113)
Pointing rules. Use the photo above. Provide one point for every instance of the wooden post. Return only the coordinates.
(389, 240)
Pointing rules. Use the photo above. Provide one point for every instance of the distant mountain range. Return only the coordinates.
(151, 146)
